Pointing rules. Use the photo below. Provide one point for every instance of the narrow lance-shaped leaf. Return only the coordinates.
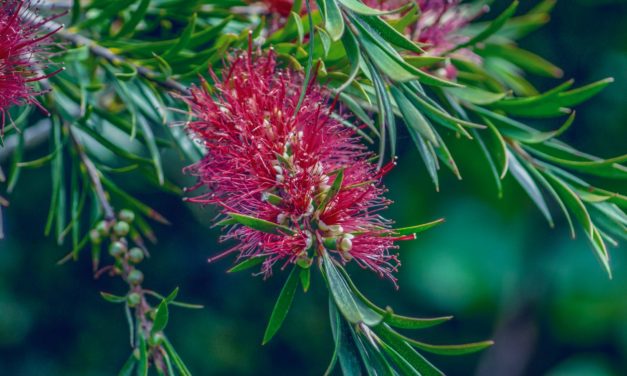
(354, 311)
(417, 229)
(492, 28)
(333, 21)
(282, 305)
(246, 264)
(161, 317)
(260, 224)
(529, 185)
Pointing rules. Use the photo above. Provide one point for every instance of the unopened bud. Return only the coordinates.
(135, 277)
(336, 229)
(102, 228)
(94, 235)
(136, 255)
(133, 299)
(126, 215)
(281, 219)
(346, 243)
(121, 228)
(116, 249)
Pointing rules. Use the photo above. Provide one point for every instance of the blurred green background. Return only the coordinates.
(495, 264)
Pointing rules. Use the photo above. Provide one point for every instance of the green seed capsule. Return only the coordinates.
(136, 255)
(117, 249)
(94, 236)
(135, 277)
(102, 228)
(126, 215)
(133, 299)
(121, 228)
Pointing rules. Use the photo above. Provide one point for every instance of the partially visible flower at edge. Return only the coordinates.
(438, 27)
(266, 162)
(23, 47)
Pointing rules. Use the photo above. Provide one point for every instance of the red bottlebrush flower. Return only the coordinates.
(22, 45)
(280, 7)
(265, 162)
(438, 26)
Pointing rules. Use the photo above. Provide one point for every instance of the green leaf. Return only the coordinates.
(391, 35)
(142, 363)
(282, 305)
(161, 317)
(335, 327)
(450, 350)
(112, 298)
(401, 363)
(138, 15)
(389, 316)
(492, 28)
(612, 168)
(353, 310)
(333, 21)
(390, 62)
(438, 114)
(360, 8)
(582, 94)
(385, 114)
(183, 40)
(305, 278)
(128, 367)
(260, 224)
(354, 57)
(107, 14)
(475, 95)
(577, 207)
(336, 186)
(404, 350)
(133, 202)
(246, 264)
(545, 183)
(529, 185)
(170, 298)
(498, 148)
(374, 362)
(412, 117)
(176, 358)
(523, 59)
(345, 350)
(416, 229)
(427, 154)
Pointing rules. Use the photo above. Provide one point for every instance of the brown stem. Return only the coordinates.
(114, 59)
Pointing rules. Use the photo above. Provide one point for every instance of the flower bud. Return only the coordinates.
(345, 244)
(121, 228)
(102, 228)
(126, 215)
(133, 299)
(135, 277)
(136, 255)
(117, 249)
(94, 235)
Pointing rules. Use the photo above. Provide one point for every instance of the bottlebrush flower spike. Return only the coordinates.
(22, 54)
(291, 185)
